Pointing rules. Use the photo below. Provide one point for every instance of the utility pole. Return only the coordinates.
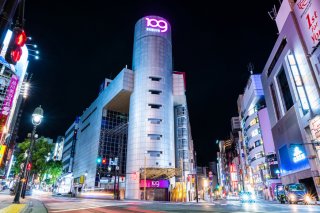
(145, 178)
(196, 176)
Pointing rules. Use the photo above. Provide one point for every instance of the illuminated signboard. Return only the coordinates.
(2, 150)
(308, 16)
(155, 25)
(298, 155)
(155, 183)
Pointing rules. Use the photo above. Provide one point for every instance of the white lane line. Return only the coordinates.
(82, 208)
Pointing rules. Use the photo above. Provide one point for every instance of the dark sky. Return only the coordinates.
(82, 42)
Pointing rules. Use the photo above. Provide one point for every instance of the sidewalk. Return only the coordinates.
(26, 205)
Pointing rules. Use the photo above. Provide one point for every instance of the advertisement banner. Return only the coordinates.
(155, 183)
(7, 102)
(307, 13)
(2, 151)
(315, 128)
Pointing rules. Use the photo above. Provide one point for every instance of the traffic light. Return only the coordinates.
(29, 165)
(104, 161)
(14, 50)
(98, 160)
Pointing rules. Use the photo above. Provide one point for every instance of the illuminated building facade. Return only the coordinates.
(257, 137)
(12, 80)
(141, 118)
(291, 84)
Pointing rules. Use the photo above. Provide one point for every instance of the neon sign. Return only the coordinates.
(155, 25)
(298, 155)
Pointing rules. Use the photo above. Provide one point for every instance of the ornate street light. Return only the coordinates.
(36, 120)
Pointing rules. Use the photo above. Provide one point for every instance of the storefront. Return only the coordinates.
(157, 190)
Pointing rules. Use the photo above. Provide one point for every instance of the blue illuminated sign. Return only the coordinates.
(298, 155)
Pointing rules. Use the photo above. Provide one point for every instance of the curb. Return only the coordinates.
(31, 207)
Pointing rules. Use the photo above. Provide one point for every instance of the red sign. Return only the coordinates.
(308, 12)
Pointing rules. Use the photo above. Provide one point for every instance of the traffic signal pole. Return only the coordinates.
(6, 15)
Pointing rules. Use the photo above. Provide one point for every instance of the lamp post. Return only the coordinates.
(36, 120)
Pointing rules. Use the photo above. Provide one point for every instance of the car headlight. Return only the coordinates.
(245, 197)
(292, 197)
(307, 198)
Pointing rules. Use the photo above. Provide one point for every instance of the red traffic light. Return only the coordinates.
(104, 161)
(29, 165)
(14, 50)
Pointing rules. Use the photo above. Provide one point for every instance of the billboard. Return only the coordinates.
(7, 102)
(293, 158)
(2, 151)
(307, 13)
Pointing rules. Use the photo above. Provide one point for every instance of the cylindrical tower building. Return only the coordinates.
(151, 115)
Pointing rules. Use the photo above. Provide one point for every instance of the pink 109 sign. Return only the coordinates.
(156, 25)
(155, 183)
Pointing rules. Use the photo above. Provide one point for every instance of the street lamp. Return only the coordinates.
(36, 120)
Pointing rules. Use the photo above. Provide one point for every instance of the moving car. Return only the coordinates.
(297, 192)
(247, 197)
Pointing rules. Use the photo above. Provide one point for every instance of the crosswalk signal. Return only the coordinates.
(104, 161)
(29, 165)
(17, 41)
(98, 160)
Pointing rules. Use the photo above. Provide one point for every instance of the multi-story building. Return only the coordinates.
(12, 79)
(57, 149)
(257, 135)
(291, 83)
(139, 124)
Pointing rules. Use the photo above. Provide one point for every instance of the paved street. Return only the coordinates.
(82, 205)
(62, 204)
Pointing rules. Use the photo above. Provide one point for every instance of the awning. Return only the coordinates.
(160, 173)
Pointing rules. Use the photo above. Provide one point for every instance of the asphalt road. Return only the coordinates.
(76, 205)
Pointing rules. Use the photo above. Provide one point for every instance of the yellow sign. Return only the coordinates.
(81, 179)
(2, 150)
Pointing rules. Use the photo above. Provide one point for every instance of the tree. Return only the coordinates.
(54, 169)
(40, 152)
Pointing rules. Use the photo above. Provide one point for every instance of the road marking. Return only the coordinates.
(13, 208)
(82, 208)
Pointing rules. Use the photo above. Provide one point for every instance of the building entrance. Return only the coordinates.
(309, 183)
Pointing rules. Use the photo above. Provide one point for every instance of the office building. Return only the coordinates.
(291, 84)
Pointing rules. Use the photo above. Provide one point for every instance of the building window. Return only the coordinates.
(84, 128)
(155, 136)
(154, 120)
(182, 121)
(155, 106)
(298, 83)
(154, 153)
(153, 78)
(275, 101)
(155, 92)
(255, 132)
(285, 89)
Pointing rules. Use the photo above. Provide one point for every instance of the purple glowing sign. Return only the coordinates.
(155, 183)
(155, 25)
(7, 102)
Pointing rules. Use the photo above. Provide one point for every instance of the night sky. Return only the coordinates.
(83, 42)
